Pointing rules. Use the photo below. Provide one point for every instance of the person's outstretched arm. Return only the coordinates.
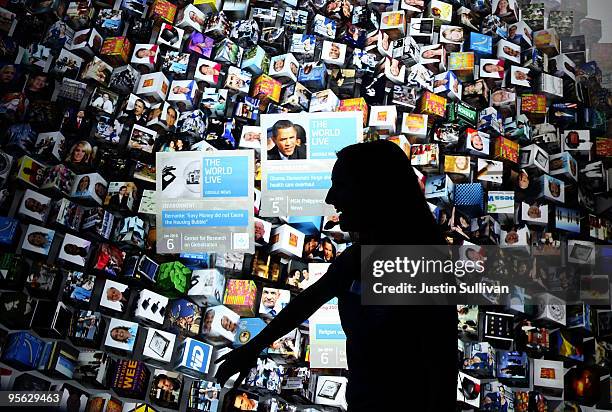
(303, 306)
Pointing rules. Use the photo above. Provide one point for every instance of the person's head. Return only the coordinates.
(260, 230)
(180, 89)
(165, 383)
(142, 53)
(492, 68)
(296, 274)
(310, 245)
(279, 64)
(243, 402)
(500, 97)
(252, 137)
(195, 18)
(7, 73)
(208, 319)
(329, 250)
(38, 239)
(114, 295)
(334, 51)
(503, 7)
(305, 274)
(269, 297)
(171, 116)
(476, 141)
(100, 190)
(38, 82)
(208, 70)
(512, 31)
(139, 107)
(123, 190)
(455, 34)
(75, 250)
(523, 180)
(512, 237)
(534, 212)
(284, 136)
(361, 195)
(34, 205)
(519, 75)
(228, 324)
(555, 188)
(510, 51)
(461, 162)
(121, 334)
(80, 152)
(83, 184)
(235, 82)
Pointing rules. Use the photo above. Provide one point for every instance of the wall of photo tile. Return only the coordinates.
(501, 106)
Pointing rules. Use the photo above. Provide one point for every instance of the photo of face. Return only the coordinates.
(285, 140)
(334, 51)
(476, 141)
(75, 250)
(38, 239)
(279, 64)
(273, 301)
(121, 334)
(512, 237)
(523, 180)
(171, 116)
(503, 97)
(511, 52)
(453, 35)
(554, 188)
(80, 153)
(235, 82)
(115, 296)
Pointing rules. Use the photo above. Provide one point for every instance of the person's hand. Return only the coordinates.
(240, 360)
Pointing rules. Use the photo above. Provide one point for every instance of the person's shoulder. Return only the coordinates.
(301, 150)
(273, 153)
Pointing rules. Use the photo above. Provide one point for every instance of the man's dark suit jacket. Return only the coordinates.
(298, 153)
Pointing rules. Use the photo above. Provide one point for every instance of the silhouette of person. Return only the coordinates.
(424, 366)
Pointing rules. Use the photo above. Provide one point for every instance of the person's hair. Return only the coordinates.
(379, 191)
(81, 181)
(36, 233)
(446, 33)
(175, 382)
(497, 10)
(125, 328)
(328, 240)
(81, 251)
(281, 124)
(86, 148)
(485, 67)
(122, 187)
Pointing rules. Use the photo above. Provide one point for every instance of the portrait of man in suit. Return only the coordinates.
(77, 124)
(286, 139)
(120, 200)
